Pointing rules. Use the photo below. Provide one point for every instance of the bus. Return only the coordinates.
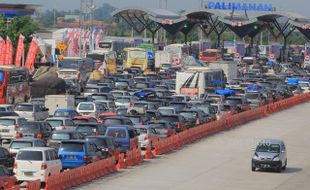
(135, 57)
(177, 53)
(210, 55)
(105, 61)
(14, 85)
(196, 80)
(113, 45)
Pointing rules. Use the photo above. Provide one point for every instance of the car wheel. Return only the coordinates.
(284, 167)
(253, 168)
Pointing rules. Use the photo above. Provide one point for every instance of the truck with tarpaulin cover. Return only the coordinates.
(195, 81)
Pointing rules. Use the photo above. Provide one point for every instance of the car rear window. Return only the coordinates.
(72, 147)
(61, 136)
(142, 130)
(20, 144)
(55, 123)
(169, 118)
(30, 127)
(99, 141)
(112, 122)
(7, 122)
(117, 133)
(29, 155)
(91, 90)
(61, 114)
(135, 120)
(24, 108)
(122, 100)
(86, 106)
(188, 114)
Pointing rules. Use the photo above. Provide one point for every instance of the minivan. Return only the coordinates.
(90, 108)
(32, 111)
(125, 136)
(77, 153)
(36, 163)
(270, 154)
(9, 125)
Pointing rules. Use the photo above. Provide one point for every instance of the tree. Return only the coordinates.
(19, 25)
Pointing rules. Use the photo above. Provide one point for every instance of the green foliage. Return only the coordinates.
(19, 25)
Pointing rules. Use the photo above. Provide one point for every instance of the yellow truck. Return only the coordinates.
(135, 57)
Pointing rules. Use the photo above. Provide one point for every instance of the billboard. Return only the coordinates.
(239, 6)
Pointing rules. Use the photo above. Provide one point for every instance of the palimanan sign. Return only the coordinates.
(239, 6)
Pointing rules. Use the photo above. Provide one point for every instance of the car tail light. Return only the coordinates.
(99, 121)
(97, 133)
(179, 125)
(197, 121)
(78, 76)
(15, 165)
(18, 136)
(87, 159)
(166, 131)
(146, 138)
(39, 136)
(142, 122)
(43, 166)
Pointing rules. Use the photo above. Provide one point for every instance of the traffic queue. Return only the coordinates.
(130, 108)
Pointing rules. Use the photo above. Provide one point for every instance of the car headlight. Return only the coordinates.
(276, 159)
(256, 157)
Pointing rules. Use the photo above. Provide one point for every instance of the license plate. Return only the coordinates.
(265, 165)
(71, 157)
(5, 130)
(28, 173)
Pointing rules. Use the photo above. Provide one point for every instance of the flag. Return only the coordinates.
(98, 38)
(2, 51)
(9, 51)
(76, 42)
(31, 55)
(19, 50)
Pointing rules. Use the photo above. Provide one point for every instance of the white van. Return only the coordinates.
(32, 111)
(36, 163)
(90, 108)
(9, 125)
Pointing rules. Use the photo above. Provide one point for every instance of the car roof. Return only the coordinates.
(66, 131)
(27, 139)
(120, 126)
(69, 110)
(37, 148)
(75, 140)
(55, 118)
(10, 117)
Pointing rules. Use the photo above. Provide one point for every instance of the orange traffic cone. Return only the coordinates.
(121, 164)
(148, 152)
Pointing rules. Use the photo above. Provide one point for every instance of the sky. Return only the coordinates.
(297, 6)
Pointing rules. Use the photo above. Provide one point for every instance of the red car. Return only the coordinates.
(83, 119)
(7, 180)
(106, 114)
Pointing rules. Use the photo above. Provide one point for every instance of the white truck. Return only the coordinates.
(161, 58)
(54, 102)
(193, 81)
(230, 68)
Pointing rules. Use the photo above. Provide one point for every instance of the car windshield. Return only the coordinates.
(55, 123)
(72, 147)
(191, 115)
(205, 109)
(7, 122)
(98, 97)
(135, 120)
(61, 136)
(303, 84)
(251, 96)
(169, 118)
(24, 108)
(91, 90)
(122, 100)
(166, 111)
(233, 102)
(29, 155)
(61, 114)
(111, 121)
(117, 133)
(68, 64)
(20, 144)
(117, 94)
(86, 106)
(121, 84)
(179, 106)
(121, 111)
(30, 127)
(265, 147)
(136, 54)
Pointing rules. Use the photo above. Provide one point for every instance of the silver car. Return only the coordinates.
(270, 154)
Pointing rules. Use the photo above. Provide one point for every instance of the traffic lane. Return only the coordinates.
(223, 161)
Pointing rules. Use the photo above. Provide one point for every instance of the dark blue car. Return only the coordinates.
(77, 153)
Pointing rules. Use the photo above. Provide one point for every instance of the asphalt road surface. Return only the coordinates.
(223, 161)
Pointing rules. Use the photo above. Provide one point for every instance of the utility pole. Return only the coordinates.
(81, 26)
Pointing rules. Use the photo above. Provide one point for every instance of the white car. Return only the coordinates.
(9, 125)
(90, 108)
(305, 86)
(32, 111)
(123, 101)
(36, 163)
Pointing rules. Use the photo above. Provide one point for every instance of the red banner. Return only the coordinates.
(31, 55)
(2, 51)
(19, 51)
(9, 52)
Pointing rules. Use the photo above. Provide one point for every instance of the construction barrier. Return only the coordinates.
(33, 185)
(14, 187)
(133, 156)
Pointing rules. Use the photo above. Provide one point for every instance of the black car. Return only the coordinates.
(5, 158)
(91, 129)
(60, 135)
(106, 144)
(35, 129)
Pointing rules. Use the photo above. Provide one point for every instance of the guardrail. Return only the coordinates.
(75, 177)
